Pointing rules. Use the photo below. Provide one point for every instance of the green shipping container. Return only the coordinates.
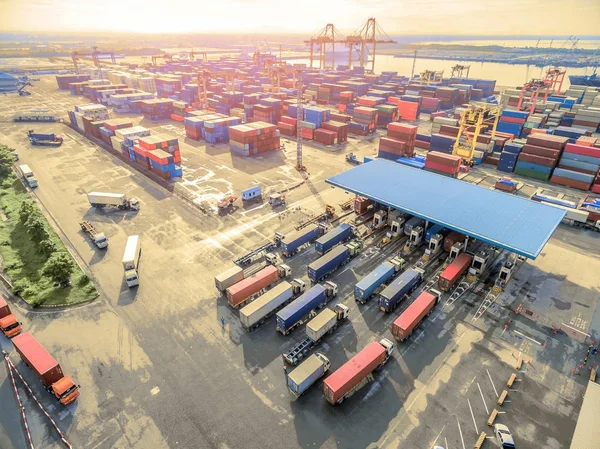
(532, 174)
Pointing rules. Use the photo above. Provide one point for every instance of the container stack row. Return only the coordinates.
(253, 138)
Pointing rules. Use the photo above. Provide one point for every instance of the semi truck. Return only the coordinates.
(413, 223)
(245, 290)
(368, 285)
(324, 323)
(577, 217)
(229, 277)
(28, 176)
(101, 200)
(435, 229)
(34, 116)
(338, 235)
(46, 368)
(408, 320)
(39, 139)
(357, 372)
(328, 263)
(131, 260)
(255, 313)
(402, 286)
(290, 244)
(454, 271)
(98, 238)
(9, 325)
(300, 310)
(311, 370)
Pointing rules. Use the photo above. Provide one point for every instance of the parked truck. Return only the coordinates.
(408, 320)
(454, 271)
(357, 371)
(28, 176)
(255, 313)
(98, 238)
(228, 278)
(338, 235)
(9, 325)
(300, 309)
(328, 263)
(131, 260)
(34, 116)
(435, 229)
(51, 140)
(290, 244)
(101, 200)
(578, 217)
(324, 323)
(46, 368)
(413, 223)
(403, 286)
(368, 285)
(243, 291)
(311, 370)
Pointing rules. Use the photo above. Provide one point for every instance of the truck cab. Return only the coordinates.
(299, 286)
(379, 219)
(435, 246)
(355, 247)
(457, 249)
(65, 390)
(331, 289)
(284, 270)
(271, 258)
(342, 311)
(388, 345)
(480, 262)
(131, 260)
(134, 204)
(10, 326)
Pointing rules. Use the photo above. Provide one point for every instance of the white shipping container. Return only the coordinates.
(115, 141)
(320, 325)
(265, 304)
(226, 279)
(133, 132)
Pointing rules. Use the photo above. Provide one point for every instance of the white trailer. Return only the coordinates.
(28, 175)
(576, 217)
(226, 279)
(131, 260)
(101, 200)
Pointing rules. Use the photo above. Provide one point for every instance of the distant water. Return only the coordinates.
(506, 75)
(589, 44)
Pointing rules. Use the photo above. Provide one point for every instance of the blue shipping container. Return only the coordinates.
(433, 230)
(367, 285)
(393, 293)
(251, 193)
(300, 308)
(328, 263)
(291, 243)
(341, 233)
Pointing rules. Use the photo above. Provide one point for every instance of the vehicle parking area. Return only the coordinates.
(157, 369)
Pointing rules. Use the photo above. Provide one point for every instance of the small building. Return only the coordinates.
(8, 83)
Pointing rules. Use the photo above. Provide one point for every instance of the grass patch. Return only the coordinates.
(23, 262)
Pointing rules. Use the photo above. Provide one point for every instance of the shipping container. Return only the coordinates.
(328, 263)
(451, 239)
(367, 285)
(433, 230)
(408, 320)
(454, 271)
(291, 243)
(228, 278)
(321, 324)
(354, 373)
(244, 289)
(340, 234)
(4, 308)
(266, 304)
(300, 308)
(309, 371)
(404, 285)
(413, 223)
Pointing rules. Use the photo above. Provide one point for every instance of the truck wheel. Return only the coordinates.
(341, 400)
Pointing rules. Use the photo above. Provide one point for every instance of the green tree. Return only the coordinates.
(36, 227)
(47, 247)
(6, 160)
(59, 267)
(27, 210)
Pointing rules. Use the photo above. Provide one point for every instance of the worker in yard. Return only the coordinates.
(223, 323)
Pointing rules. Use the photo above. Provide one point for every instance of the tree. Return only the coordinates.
(27, 209)
(59, 267)
(47, 247)
(36, 227)
(6, 160)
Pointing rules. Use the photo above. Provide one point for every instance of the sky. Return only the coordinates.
(466, 17)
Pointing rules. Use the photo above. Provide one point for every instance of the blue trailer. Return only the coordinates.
(299, 310)
(394, 293)
(365, 288)
(433, 230)
(327, 264)
(44, 139)
(291, 243)
(340, 234)
(251, 193)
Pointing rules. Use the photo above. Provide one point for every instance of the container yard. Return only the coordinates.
(360, 258)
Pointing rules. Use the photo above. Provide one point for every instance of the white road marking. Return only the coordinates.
(473, 416)
(492, 382)
(483, 399)
(446, 441)
(528, 338)
(438, 435)
(461, 435)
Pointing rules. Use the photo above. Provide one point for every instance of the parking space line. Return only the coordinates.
(492, 382)
(446, 441)
(460, 431)
(473, 416)
(439, 434)
(483, 399)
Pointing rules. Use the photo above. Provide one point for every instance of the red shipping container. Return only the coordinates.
(342, 118)
(540, 151)
(548, 141)
(289, 120)
(38, 359)
(444, 159)
(143, 163)
(540, 160)
(451, 239)
(177, 156)
(141, 151)
(596, 188)
(586, 141)
(403, 128)
(403, 326)
(454, 271)
(506, 119)
(324, 136)
(449, 130)
(570, 182)
(440, 168)
(307, 133)
(353, 371)
(582, 150)
(160, 157)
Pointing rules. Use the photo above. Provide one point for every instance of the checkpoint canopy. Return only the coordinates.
(519, 225)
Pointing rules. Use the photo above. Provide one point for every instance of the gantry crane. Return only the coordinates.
(430, 76)
(204, 75)
(367, 36)
(470, 126)
(95, 55)
(325, 43)
(459, 70)
(555, 77)
(534, 87)
(164, 57)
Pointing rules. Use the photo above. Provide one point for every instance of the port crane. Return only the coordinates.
(324, 43)
(431, 76)
(555, 77)
(471, 124)
(205, 75)
(460, 71)
(164, 57)
(367, 37)
(95, 55)
(21, 91)
(534, 88)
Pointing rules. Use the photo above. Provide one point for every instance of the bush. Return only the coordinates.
(6, 160)
(19, 286)
(58, 267)
(84, 279)
(47, 247)
(27, 210)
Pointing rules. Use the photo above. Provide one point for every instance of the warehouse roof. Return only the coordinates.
(587, 432)
(507, 221)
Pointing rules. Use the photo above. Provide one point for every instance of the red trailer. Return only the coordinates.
(454, 271)
(416, 312)
(46, 368)
(355, 373)
(240, 292)
(8, 322)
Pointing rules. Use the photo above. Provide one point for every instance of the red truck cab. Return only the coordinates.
(8, 322)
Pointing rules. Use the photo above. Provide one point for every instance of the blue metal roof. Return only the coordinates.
(507, 221)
